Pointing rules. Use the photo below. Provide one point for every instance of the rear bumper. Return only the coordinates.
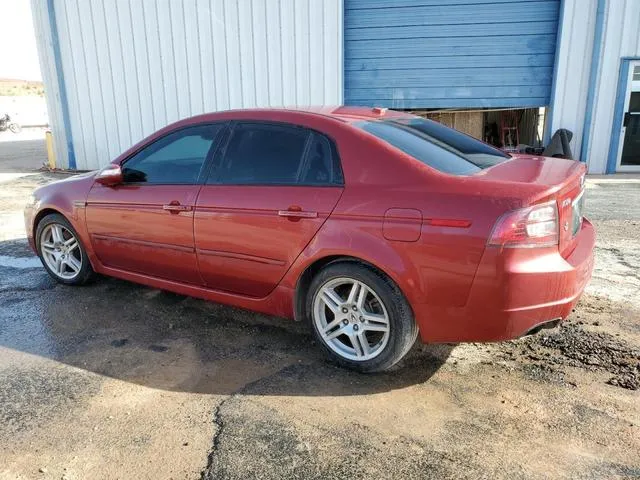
(514, 291)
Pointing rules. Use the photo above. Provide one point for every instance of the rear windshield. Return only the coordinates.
(433, 144)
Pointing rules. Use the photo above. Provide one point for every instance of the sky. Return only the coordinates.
(18, 53)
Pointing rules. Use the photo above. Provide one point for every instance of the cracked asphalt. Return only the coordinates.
(116, 380)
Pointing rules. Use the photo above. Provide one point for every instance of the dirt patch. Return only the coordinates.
(574, 346)
(580, 348)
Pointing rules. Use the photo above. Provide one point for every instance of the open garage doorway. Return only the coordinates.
(509, 129)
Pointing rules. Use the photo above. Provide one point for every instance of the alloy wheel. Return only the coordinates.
(351, 319)
(61, 251)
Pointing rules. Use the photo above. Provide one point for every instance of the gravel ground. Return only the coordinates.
(116, 380)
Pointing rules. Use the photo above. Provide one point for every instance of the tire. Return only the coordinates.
(347, 316)
(64, 260)
(15, 128)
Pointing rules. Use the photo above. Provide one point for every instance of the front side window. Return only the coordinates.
(436, 145)
(175, 159)
(275, 154)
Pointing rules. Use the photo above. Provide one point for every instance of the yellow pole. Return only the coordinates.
(51, 155)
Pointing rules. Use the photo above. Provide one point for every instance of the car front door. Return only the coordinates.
(145, 224)
(271, 189)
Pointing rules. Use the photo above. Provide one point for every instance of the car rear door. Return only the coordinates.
(145, 224)
(271, 189)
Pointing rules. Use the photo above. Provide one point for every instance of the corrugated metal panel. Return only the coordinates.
(133, 66)
(621, 39)
(402, 53)
(573, 66)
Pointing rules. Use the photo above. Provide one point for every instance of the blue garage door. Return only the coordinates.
(449, 53)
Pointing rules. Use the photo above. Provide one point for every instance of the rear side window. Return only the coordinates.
(322, 163)
(175, 159)
(436, 145)
(271, 154)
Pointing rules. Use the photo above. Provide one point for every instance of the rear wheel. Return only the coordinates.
(61, 251)
(360, 317)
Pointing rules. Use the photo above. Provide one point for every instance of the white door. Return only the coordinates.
(629, 151)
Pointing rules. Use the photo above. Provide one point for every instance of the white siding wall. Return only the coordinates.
(573, 66)
(133, 66)
(621, 39)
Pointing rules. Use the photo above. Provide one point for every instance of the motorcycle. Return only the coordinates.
(7, 124)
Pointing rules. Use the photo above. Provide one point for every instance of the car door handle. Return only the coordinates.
(175, 207)
(297, 212)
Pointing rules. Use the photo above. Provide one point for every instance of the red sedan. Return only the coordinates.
(375, 226)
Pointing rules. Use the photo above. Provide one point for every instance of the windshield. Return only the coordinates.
(436, 145)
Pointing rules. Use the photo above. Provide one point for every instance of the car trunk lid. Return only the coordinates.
(555, 178)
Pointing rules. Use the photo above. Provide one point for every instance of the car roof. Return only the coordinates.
(342, 113)
(353, 114)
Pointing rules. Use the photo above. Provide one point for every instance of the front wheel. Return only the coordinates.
(61, 251)
(360, 317)
(15, 128)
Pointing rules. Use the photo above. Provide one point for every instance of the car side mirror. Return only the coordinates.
(110, 176)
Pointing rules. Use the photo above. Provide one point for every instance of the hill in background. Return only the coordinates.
(18, 88)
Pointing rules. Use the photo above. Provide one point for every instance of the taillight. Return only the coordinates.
(535, 226)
